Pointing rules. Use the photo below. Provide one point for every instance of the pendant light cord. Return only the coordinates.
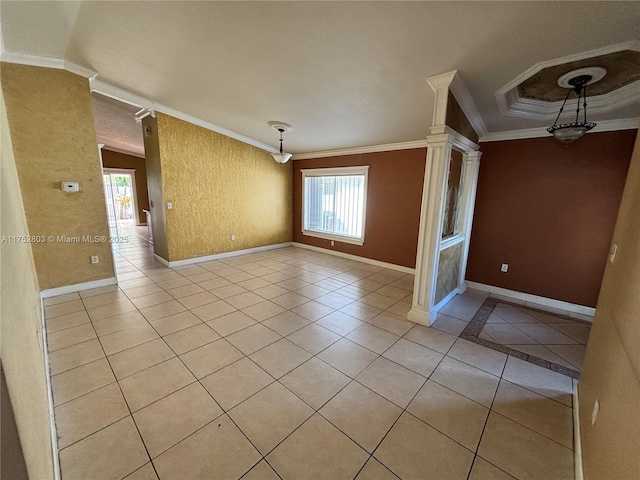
(563, 104)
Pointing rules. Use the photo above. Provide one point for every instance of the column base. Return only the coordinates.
(421, 316)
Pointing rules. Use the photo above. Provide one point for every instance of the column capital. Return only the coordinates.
(472, 156)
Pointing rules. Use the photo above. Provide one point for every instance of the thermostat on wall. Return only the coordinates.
(70, 187)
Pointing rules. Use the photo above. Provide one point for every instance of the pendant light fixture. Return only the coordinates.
(281, 127)
(568, 132)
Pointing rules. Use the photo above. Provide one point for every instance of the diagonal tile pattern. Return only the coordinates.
(294, 364)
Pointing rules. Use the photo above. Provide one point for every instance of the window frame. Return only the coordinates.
(332, 172)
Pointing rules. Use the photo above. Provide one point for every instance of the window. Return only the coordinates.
(334, 203)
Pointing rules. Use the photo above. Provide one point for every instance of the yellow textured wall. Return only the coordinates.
(22, 356)
(220, 186)
(51, 124)
(611, 373)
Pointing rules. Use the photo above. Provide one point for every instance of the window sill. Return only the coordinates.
(451, 241)
(335, 238)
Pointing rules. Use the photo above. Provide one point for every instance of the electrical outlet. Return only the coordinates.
(95, 259)
(233, 237)
(169, 206)
(333, 244)
(594, 414)
(504, 268)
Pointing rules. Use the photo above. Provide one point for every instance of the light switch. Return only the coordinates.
(612, 253)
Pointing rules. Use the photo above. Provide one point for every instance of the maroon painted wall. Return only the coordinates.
(394, 198)
(548, 210)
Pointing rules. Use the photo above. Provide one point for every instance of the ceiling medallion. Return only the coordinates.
(576, 81)
(281, 127)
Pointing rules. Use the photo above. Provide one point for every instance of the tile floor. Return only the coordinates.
(290, 364)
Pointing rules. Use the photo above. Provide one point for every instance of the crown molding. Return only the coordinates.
(124, 95)
(387, 147)
(122, 151)
(468, 106)
(510, 102)
(604, 126)
(32, 60)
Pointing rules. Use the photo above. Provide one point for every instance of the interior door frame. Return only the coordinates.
(132, 172)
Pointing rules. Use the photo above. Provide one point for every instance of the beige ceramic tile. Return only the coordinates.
(403, 452)
(363, 415)
(106, 311)
(139, 358)
(348, 357)
(211, 357)
(415, 357)
(483, 470)
(315, 382)
(450, 325)
(361, 311)
(151, 299)
(60, 299)
(70, 336)
(339, 322)
(161, 310)
(391, 323)
(374, 470)
(574, 354)
(244, 300)
(89, 413)
(98, 291)
(312, 310)
(191, 338)
(541, 380)
(379, 301)
(505, 333)
(280, 357)
(450, 413)
(112, 452)
(253, 338)
(66, 321)
(198, 300)
(431, 338)
(175, 323)
(290, 300)
(147, 386)
(141, 291)
(236, 382)
(317, 450)
(269, 416)
(262, 471)
(231, 323)
(81, 380)
(542, 351)
(74, 356)
(122, 321)
(514, 314)
(394, 382)
(185, 291)
(313, 338)
(373, 338)
(523, 453)
(479, 356)
(545, 416)
(174, 417)
(462, 307)
(286, 323)
(393, 292)
(263, 310)
(228, 291)
(124, 339)
(469, 381)
(65, 308)
(147, 472)
(578, 331)
(192, 457)
(544, 334)
(270, 291)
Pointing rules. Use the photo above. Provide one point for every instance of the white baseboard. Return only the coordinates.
(577, 441)
(535, 301)
(219, 256)
(78, 287)
(370, 261)
(57, 475)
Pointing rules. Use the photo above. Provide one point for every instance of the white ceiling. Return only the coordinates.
(116, 126)
(345, 74)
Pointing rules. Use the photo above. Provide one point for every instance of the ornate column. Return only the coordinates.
(436, 172)
(470, 170)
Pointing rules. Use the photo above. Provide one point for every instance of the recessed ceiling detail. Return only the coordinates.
(539, 91)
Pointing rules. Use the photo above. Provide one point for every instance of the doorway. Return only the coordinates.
(120, 196)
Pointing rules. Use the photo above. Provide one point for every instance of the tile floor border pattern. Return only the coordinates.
(479, 320)
(316, 410)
